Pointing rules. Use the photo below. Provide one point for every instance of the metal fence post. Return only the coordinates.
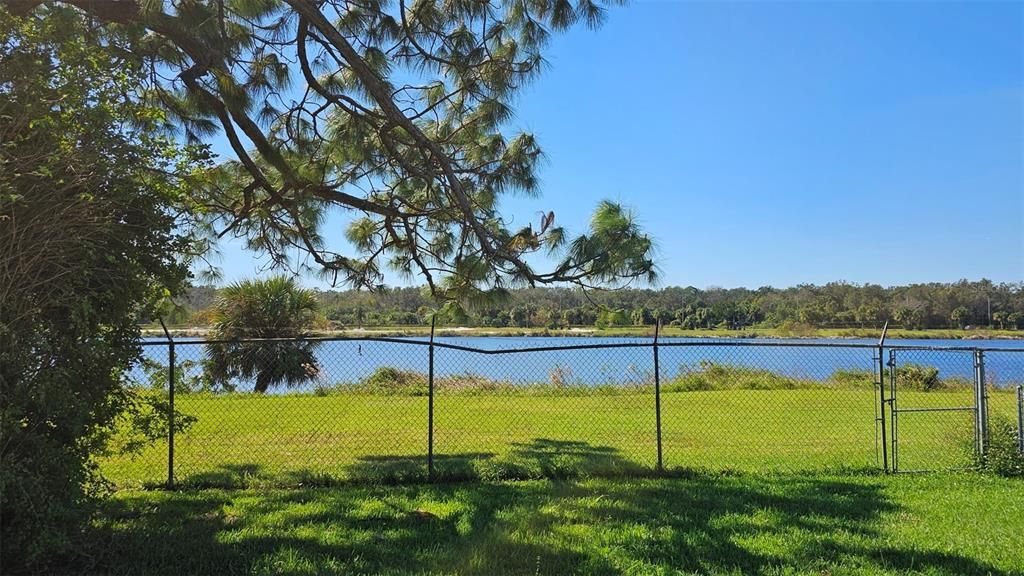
(1020, 418)
(170, 406)
(657, 393)
(430, 403)
(881, 397)
(980, 403)
(893, 413)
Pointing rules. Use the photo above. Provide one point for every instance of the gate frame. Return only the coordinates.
(980, 396)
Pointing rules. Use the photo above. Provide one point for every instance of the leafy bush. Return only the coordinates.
(188, 377)
(395, 381)
(853, 378)
(1002, 456)
(926, 379)
(143, 422)
(89, 243)
(389, 380)
(715, 376)
(917, 377)
(709, 376)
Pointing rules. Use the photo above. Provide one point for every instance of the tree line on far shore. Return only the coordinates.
(960, 304)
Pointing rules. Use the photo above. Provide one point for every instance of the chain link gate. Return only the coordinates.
(936, 408)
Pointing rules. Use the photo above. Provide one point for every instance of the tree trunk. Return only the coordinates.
(262, 382)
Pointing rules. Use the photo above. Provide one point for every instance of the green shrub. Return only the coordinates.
(390, 380)
(853, 378)
(1002, 454)
(189, 377)
(714, 376)
(90, 240)
(143, 422)
(926, 379)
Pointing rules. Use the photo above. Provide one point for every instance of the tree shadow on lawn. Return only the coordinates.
(690, 522)
(404, 469)
(225, 476)
(538, 459)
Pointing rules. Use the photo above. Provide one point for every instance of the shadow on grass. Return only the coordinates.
(226, 476)
(691, 522)
(399, 469)
(539, 459)
(559, 459)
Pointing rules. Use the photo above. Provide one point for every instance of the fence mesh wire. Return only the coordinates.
(545, 413)
(933, 419)
(353, 409)
(1004, 374)
(770, 407)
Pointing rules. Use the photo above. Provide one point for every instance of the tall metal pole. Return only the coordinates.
(978, 447)
(1020, 418)
(430, 404)
(893, 413)
(170, 406)
(980, 403)
(881, 396)
(657, 392)
(984, 400)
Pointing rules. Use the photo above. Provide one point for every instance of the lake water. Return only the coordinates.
(631, 360)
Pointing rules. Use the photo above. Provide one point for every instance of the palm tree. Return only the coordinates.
(272, 308)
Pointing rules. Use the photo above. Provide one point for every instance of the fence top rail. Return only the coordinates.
(436, 343)
(1000, 349)
(754, 343)
(955, 348)
(605, 345)
(914, 347)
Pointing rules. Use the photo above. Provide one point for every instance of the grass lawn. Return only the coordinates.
(695, 523)
(247, 440)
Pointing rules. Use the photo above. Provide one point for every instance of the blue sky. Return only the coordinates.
(784, 143)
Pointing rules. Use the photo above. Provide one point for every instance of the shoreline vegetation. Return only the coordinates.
(794, 332)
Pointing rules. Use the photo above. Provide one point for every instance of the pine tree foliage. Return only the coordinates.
(394, 112)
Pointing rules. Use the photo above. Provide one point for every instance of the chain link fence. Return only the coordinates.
(1004, 387)
(313, 411)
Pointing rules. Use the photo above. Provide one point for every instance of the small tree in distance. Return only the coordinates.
(271, 308)
(959, 316)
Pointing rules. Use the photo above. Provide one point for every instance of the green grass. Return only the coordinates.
(694, 523)
(246, 440)
(772, 481)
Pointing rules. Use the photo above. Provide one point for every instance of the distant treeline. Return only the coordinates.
(834, 305)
